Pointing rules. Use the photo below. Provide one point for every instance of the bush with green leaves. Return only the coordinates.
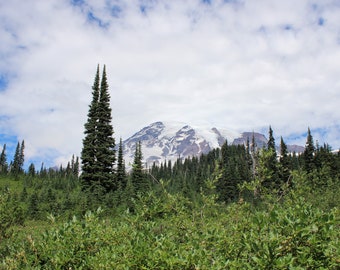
(11, 213)
(170, 232)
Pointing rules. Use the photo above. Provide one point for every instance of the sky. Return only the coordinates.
(235, 64)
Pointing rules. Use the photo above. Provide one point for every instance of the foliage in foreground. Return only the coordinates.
(170, 232)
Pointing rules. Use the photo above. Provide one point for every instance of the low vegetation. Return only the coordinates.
(160, 230)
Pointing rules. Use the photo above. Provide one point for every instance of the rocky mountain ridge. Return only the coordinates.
(163, 141)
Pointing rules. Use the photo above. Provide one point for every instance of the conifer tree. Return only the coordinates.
(272, 161)
(234, 169)
(271, 140)
(68, 171)
(18, 161)
(106, 155)
(284, 162)
(33, 206)
(98, 153)
(22, 155)
(138, 178)
(121, 172)
(75, 166)
(31, 170)
(43, 171)
(88, 154)
(3, 160)
(308, 154)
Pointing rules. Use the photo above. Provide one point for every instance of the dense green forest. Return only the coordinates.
(237, 207)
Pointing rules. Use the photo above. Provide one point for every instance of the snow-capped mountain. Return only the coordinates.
(169, 140)
(163, 141)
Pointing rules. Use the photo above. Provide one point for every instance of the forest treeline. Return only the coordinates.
(62, 190)
(235, 183)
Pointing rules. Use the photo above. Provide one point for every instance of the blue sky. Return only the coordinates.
(241, 65)
(3, 82)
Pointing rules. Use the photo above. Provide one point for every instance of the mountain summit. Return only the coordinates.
(163, 141)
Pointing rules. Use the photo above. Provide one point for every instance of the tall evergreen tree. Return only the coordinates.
(283, 150)
(271, 140)
(138, 178)
(309, 152)
(18, 161)
(271, 162)
(3, 160)
(121, 172)
(88, 154)
(75, 166)
(98, 153)
(284, 162)
(106, 155)
(22, 155)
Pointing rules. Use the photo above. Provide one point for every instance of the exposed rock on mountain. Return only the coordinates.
(163, 141)
(260, 139)
(169, 140)
(295, 148)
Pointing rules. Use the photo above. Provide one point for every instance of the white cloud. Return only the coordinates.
(241, 65)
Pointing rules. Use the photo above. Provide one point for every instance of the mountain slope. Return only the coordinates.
(163, 141)
(169, 140)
